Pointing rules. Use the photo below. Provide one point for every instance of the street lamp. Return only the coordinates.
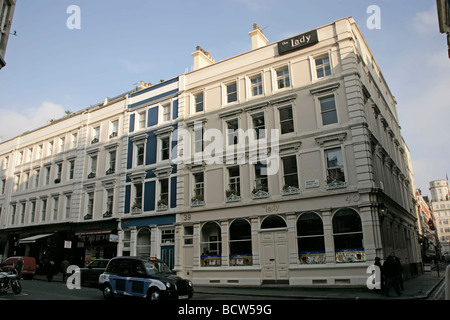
(382, 210)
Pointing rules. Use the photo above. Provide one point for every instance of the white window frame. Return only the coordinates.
(274, 72)
(194, 102)
(140, 121)
(278, 118)
(313, 67)
(225, 94)
(248, 81)
(162, 113)
(113, 129)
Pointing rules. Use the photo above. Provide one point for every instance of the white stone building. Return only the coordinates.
(344, 191)
(440, 197)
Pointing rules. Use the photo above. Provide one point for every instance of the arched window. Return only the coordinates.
(348, 236)
(143, 243)
(310, 239)
(273, 222)
(211, 245)
(240, 243)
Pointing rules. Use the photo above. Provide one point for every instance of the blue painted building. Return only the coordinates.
(147, 227)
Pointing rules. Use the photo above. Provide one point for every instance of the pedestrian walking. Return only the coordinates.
(64, 265)
(19, 267)
(390, 272)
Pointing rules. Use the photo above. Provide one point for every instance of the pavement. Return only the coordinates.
(418, 288)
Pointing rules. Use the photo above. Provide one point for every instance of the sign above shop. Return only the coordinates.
(298, 42)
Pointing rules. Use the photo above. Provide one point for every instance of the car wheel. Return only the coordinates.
(107, 292)
(154, 294)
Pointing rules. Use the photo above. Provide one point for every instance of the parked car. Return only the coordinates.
(91, 273)
(146, 278)
(28, 268)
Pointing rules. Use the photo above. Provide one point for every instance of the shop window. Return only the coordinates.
(348, 236)
(211, 245)
(310, 239)
(272, 222)
(143, 243)
(240, 243)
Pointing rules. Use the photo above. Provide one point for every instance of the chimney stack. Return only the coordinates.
(202, 58)
(258, 38)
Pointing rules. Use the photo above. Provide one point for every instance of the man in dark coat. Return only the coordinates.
(391, 274)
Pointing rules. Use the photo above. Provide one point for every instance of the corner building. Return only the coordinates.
(343, 193)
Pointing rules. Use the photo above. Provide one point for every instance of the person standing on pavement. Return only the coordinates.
(389, 269)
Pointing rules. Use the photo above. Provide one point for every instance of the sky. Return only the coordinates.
(53, 67)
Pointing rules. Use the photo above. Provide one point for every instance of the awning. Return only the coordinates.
(34, 238)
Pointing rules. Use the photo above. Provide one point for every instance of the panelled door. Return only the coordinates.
(275, 256)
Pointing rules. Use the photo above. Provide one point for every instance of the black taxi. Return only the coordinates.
(146, 278)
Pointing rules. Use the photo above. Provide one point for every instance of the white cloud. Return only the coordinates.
(15, 122)
(425, 22)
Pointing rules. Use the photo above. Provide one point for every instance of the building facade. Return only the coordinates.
(429, 239)
(440, 198)
(61, 185)
(147, 225)
(316, 108)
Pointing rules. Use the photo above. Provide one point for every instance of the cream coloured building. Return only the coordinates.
(317, 106)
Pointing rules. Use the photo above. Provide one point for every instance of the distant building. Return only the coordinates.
(6, 15)
(443, 8)
(440, 198)
(429, 239)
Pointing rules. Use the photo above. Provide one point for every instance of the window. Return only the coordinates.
(109, 203)
(211, 245)
(261, 181)
(283, 80)
(68, 205)
(26, 181)
(55, 208)
(310, 239)
(335, 168)
(286, 120)
(240, 243)
(198, 101)
(290, 172)
(50, 148)
(71, 169)
(137, 205)
(37, 174)
(328, 110)
(259, 126)
(114, 129)
(166, 112)
(141, 120)
(231, 90)
(39, 151)
(198, 139)
(165, 148)
(95, 135)
(188, 235)
(323, 67)
(13, 213)
(348, 236)
(90, 206)
(232, 131)
(140, 151)
(273, 222)
(256, 85)
(234, 181)
(16, 182)
(58, 173)
(22, 212)
(62, 144)
(43, 209)
(3, 185)
(20, 158)
(29, 154)
(93, 160)
(33, 211)
(199, 186)
(74, 140)
(112, 161)
(163, 193)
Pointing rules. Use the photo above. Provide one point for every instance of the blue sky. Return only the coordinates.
(51, 68)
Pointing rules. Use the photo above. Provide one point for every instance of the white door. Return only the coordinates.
(275, 256)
